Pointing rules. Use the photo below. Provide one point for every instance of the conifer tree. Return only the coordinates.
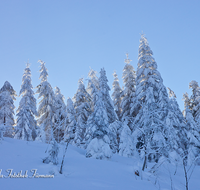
(26, 112)
(53, 153)
(126, 144)
(193, 137)
(60, 115)
(187, 102)
(70, 122)
(7, 97)
(193, 144)
(176, 132)
(195, 93)
(46, 108)
(128, 94)
(98, 142)
(104, 88)
(114, 135)
(92, 87)
(93, 79)
(195, 101)
(174, 106)
(151, 126)
(153, 99)
(116, 95)
(83, 110)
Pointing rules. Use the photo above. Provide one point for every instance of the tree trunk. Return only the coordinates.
(186, 177)
(61, 167)
(145, 160)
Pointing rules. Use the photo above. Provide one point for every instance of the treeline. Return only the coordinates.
(141, 118)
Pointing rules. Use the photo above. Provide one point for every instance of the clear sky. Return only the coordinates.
(73, 35)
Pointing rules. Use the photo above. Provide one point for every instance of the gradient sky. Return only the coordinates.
(73, 35)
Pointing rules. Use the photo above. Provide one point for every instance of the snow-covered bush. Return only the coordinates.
(53, 154)
(99, 148)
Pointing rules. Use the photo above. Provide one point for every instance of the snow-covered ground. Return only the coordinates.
(81, 173)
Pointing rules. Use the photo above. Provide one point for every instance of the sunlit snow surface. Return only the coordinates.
(83, 173)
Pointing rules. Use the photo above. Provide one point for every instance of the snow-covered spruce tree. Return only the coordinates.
(114, 135)
(69, 135)
(93, 79)
(187, 102)
(46, 110)
(82, 106)
(153, 99)
(26, 124)
(60, 115)
(176, 131)
(108, 103)
(151, 132)
(53, 153)
(126, 144)
(195, 93)
(92, 87)
(97, 131)
(175, 107)
(193, 137)
(195, 101)
(116, 95)
(128, 94)
(7, 97)
(193, 145)
(70, 122)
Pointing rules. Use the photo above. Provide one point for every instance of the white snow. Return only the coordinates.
(79, 173)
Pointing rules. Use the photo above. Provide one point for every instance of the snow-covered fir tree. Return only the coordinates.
(26, 128)
(52, 153)
(175, 107)
(192, 127)
(195, 101)
(176, 132)
(108, 103)
(7, 97)
(195, 93)
(114, 135)
(92, 87)
(116, 95)
(187, 103)
(153, 99)
(97, 131)
(83, 109)
(46, 108)
(126, 144)
(151, 131)
(193, 145)
(128, 94)
(70, 122)
(60, 115)
(93, 79)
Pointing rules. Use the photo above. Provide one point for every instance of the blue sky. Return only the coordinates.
(72, 36)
